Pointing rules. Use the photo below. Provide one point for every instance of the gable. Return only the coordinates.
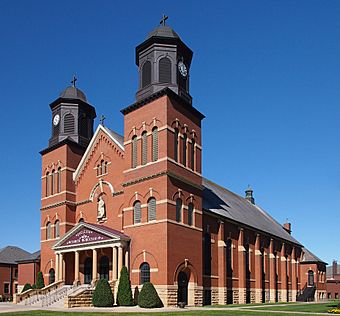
(113, 139)
(84, 236)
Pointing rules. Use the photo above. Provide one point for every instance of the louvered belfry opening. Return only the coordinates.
(69, 123)
(165, 70)
(146, 74)
(152, 209)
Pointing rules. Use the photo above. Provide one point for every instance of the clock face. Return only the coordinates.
(56, 120)
(182, 69)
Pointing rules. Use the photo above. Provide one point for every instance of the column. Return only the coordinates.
(272, 273)
(242, 286)
(114, 263)
(76, 267)
(258, 270)
(284, 291)
(94, 265)
(61, 267)
(222, 278)
(56, 266)
(120, 260)
(127, 258)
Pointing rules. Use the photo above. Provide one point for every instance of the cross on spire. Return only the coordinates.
(102, 118)
(73, 81)
(164, 18)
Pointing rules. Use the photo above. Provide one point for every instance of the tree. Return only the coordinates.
(135, 296)
(148, 297)
(40, 281)
(124, 294)
(102, 295)
(27, 287)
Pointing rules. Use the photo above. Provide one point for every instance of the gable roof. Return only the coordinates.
(310, 257)
(223, 202)
(10, 254)
(111, 233)
(115, 137)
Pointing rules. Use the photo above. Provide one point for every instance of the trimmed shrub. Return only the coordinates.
(34, 286)
(148, 297)
(135, 296)
(40, 281)
(124, 294)
(27, 286)
(102, 295)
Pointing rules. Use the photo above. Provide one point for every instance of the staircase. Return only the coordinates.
(307, 294)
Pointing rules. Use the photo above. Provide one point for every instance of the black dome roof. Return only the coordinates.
(73, 93)
(163, 31)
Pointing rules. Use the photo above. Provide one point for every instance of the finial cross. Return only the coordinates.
(73, 81)
(164, 18)
(102, 118)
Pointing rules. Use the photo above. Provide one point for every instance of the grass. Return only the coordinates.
(302, 307)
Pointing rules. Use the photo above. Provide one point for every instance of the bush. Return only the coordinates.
(124, 294)
(135, 296)
(102, 295)
(27, 286)
(34, 286)
(40, 281)
(148, 297)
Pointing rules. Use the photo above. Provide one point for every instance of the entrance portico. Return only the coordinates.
(89, 252)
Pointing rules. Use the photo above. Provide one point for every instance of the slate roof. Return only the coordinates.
(10, 254)
(73, 93)
(35, 256)
(225, 203)
(311, 257)
(163, 31)
(115, 135)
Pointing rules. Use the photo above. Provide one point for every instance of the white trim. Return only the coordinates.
(62, 169)
(59, 193)
(163, 221)
(89, 148)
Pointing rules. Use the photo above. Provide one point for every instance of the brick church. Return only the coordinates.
(140, 200)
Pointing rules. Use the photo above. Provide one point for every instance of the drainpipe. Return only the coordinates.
(10, 281)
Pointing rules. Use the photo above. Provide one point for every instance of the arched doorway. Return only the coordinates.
(51, 277)
(104, 268)
(88, 271)
(182, 292)
(310, 278)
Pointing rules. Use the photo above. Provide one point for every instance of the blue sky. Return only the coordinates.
(265, 73)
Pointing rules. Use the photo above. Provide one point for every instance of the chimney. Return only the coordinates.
(335, 268)
(288, 227)
(249, 195)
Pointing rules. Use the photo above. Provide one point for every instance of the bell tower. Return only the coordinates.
(72, 117)
(163, 60)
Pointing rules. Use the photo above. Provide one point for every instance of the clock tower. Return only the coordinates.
(163, 60)
(72, 117)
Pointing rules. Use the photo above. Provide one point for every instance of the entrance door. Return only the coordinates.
(104, 268)
(88, 271)
(182, 292)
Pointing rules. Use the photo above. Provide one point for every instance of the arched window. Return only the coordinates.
(137, 212)
(51, 277)
(190, 213)
(152, 209)
(310, 278)
(144, 273)
(59, 180)
(185, 138)
(193, 154)
(47, 188)
(146, 74)
(56, 229)
(207, 254)
(134, 151)
(103, 167)
(99, 170)
(144, 148)
(176, 144)
(155, 144)
(52, 181)
(104, 268)
(69, 123)
(48, 230)
(178, 210)
(165, 70)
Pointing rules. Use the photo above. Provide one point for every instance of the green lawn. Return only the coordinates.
(301, 307)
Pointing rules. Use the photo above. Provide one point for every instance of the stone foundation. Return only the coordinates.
(222, 295)
(236, 296)
(293, 295)
(242, 295)
(214, 295)
(258, 295)
(272, 296)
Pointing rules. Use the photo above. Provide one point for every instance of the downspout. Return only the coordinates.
(10, 281)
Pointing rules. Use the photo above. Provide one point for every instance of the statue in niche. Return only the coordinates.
(101, 212)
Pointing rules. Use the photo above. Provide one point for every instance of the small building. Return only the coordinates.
(28, 268)
(333, 280)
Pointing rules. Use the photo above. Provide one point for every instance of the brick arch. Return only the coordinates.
(177, 195)
(155, 194)
(49, 264)
(133, 199)
(144, 256)
(189, 269)
(176, 124)
(79, 216)
(93, 191)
